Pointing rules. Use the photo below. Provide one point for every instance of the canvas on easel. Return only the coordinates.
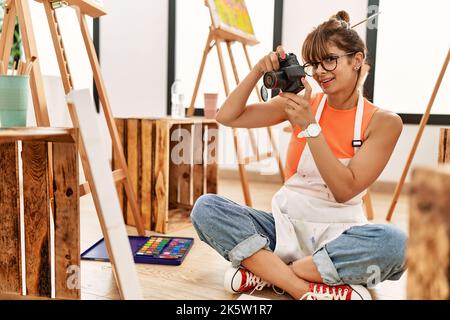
(230, 23)
(232, 17)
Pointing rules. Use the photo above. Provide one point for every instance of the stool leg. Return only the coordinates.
(367, 199)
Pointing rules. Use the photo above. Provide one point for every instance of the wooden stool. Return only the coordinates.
(172, 162)
(36, 143)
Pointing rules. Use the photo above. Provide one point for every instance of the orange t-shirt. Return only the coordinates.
(337, 128)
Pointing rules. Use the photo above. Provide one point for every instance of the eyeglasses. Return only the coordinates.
(328, 64)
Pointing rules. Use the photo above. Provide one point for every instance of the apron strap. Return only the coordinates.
(320, 108)
(357, 140)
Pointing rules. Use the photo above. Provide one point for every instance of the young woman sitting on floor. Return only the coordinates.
(316, 243)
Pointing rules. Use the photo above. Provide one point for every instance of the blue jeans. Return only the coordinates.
(364, 255)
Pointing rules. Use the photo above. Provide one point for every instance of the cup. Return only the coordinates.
(211, 105)
(14, 101)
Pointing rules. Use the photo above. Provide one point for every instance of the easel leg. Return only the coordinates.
(206, 51)
(9, 21)
(423, 123)
(269, 130)
(276, 154)
(250, 66)
(237, 147)
(29, 45)
(242, 172)
(117, 146)
(236, 77)
(222, 68)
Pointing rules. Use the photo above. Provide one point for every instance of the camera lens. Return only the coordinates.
(270, 80)
(276, 80)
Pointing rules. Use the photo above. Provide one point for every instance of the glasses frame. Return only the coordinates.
(336, 58)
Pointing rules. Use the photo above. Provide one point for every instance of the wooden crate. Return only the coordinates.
(39, 175)
(428, 252)
(429, 244)
(444, 146)
(168, 180)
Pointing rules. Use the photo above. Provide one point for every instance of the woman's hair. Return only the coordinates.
(336, 31)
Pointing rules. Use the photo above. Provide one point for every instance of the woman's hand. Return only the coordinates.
(298, 107)
(271, 61)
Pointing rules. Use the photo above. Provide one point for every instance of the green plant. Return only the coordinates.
(16, 49)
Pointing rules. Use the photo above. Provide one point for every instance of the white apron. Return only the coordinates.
(305, 212)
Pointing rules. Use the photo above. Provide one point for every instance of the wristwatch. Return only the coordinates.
(312, 131)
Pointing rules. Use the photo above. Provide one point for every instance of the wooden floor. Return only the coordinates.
(201, 274)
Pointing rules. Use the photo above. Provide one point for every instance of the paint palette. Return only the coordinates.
(164, 248)
(150, 250)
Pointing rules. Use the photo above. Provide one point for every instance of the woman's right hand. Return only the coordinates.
(271, 61)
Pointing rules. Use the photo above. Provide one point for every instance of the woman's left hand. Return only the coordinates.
(298, 107)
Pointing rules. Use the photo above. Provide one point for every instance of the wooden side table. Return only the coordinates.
(172, 162)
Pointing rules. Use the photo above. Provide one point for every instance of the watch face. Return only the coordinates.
(313, 130)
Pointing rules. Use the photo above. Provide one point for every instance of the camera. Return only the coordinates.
(288, 77)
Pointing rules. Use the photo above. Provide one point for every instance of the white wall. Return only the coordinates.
(78, 61)
(134, 56)
(413, 41)
(426, 154)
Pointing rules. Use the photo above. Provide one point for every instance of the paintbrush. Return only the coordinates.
(366, 20)
(20, 69)
(29, 65)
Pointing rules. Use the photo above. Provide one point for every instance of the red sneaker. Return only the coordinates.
(320, 291)
(240, 280)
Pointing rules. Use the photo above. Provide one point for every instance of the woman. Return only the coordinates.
(317, 242)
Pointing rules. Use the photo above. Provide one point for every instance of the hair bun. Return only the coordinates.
(342, 16)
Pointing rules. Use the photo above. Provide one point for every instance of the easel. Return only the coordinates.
(215, 37)
(423, 123)
(21, 9)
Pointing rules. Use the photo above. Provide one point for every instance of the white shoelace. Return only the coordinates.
(316, 296)
(260, 284)
(253, 280)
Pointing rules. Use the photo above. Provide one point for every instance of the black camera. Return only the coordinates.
(288, 77)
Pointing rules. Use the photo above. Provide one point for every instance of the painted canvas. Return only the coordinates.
(233, 17)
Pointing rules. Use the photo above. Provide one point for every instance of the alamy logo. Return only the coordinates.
(375, 276)
(74, 279)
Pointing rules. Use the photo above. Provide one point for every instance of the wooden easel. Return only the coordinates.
(412, 153)
(20, 8)
(215, 37)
